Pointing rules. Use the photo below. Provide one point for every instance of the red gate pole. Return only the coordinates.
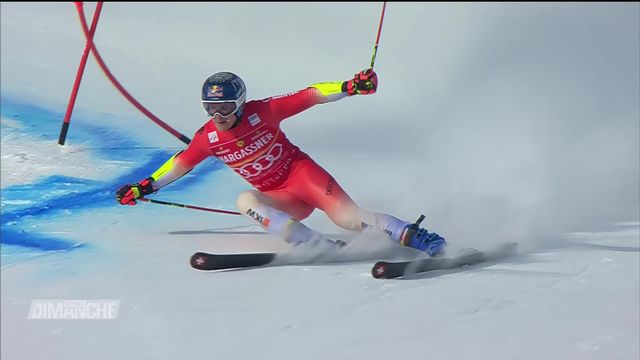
(83, 63)
(122, 90)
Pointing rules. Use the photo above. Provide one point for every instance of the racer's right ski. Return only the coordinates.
(395, 269)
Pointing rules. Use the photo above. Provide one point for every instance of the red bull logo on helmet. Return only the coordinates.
(215, 91)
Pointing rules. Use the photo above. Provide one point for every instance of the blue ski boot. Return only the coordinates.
(419, 238)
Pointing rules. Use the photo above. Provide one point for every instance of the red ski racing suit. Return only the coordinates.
(258, 151)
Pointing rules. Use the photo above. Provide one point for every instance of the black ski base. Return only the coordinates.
(392, 270)
(206, 261)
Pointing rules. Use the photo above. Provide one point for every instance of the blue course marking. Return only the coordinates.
(54, 195)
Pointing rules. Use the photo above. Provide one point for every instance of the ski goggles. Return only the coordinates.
(224, 109)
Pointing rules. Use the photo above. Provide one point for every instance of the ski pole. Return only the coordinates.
(188, 206)
(375, 48)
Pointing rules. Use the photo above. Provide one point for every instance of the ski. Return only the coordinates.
(381, 270)
(304, 253)
(206, 261)
(396, 269)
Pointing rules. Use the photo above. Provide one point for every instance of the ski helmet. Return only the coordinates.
(224, 93)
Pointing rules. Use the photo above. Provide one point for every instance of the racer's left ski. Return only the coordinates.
(207, 261)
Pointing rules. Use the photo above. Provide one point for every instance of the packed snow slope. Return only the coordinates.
(499, 122)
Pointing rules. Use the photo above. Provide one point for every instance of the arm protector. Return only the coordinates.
(170, 171)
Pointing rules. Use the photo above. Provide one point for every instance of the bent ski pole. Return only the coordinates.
(375, 48)
(188, 206)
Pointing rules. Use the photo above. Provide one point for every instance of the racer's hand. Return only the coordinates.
(363, 83)
(128, 194)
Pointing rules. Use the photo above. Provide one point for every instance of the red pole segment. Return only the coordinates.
(375, 48)
(83, 63)
(122, 90)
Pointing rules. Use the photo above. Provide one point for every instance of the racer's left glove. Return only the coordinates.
(363, 83)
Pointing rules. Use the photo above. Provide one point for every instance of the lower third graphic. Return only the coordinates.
(105, 309)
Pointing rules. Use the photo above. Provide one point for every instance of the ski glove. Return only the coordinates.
(365, 82)
(128, 194)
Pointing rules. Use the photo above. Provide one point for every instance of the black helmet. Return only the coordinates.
(225, 89)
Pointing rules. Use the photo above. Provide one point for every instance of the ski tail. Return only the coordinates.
(206, 261)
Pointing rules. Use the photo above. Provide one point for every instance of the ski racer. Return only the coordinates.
(288, 184)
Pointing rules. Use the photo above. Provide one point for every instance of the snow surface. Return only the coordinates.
(500, 122)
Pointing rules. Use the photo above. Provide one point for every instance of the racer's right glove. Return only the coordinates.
(128, 194)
